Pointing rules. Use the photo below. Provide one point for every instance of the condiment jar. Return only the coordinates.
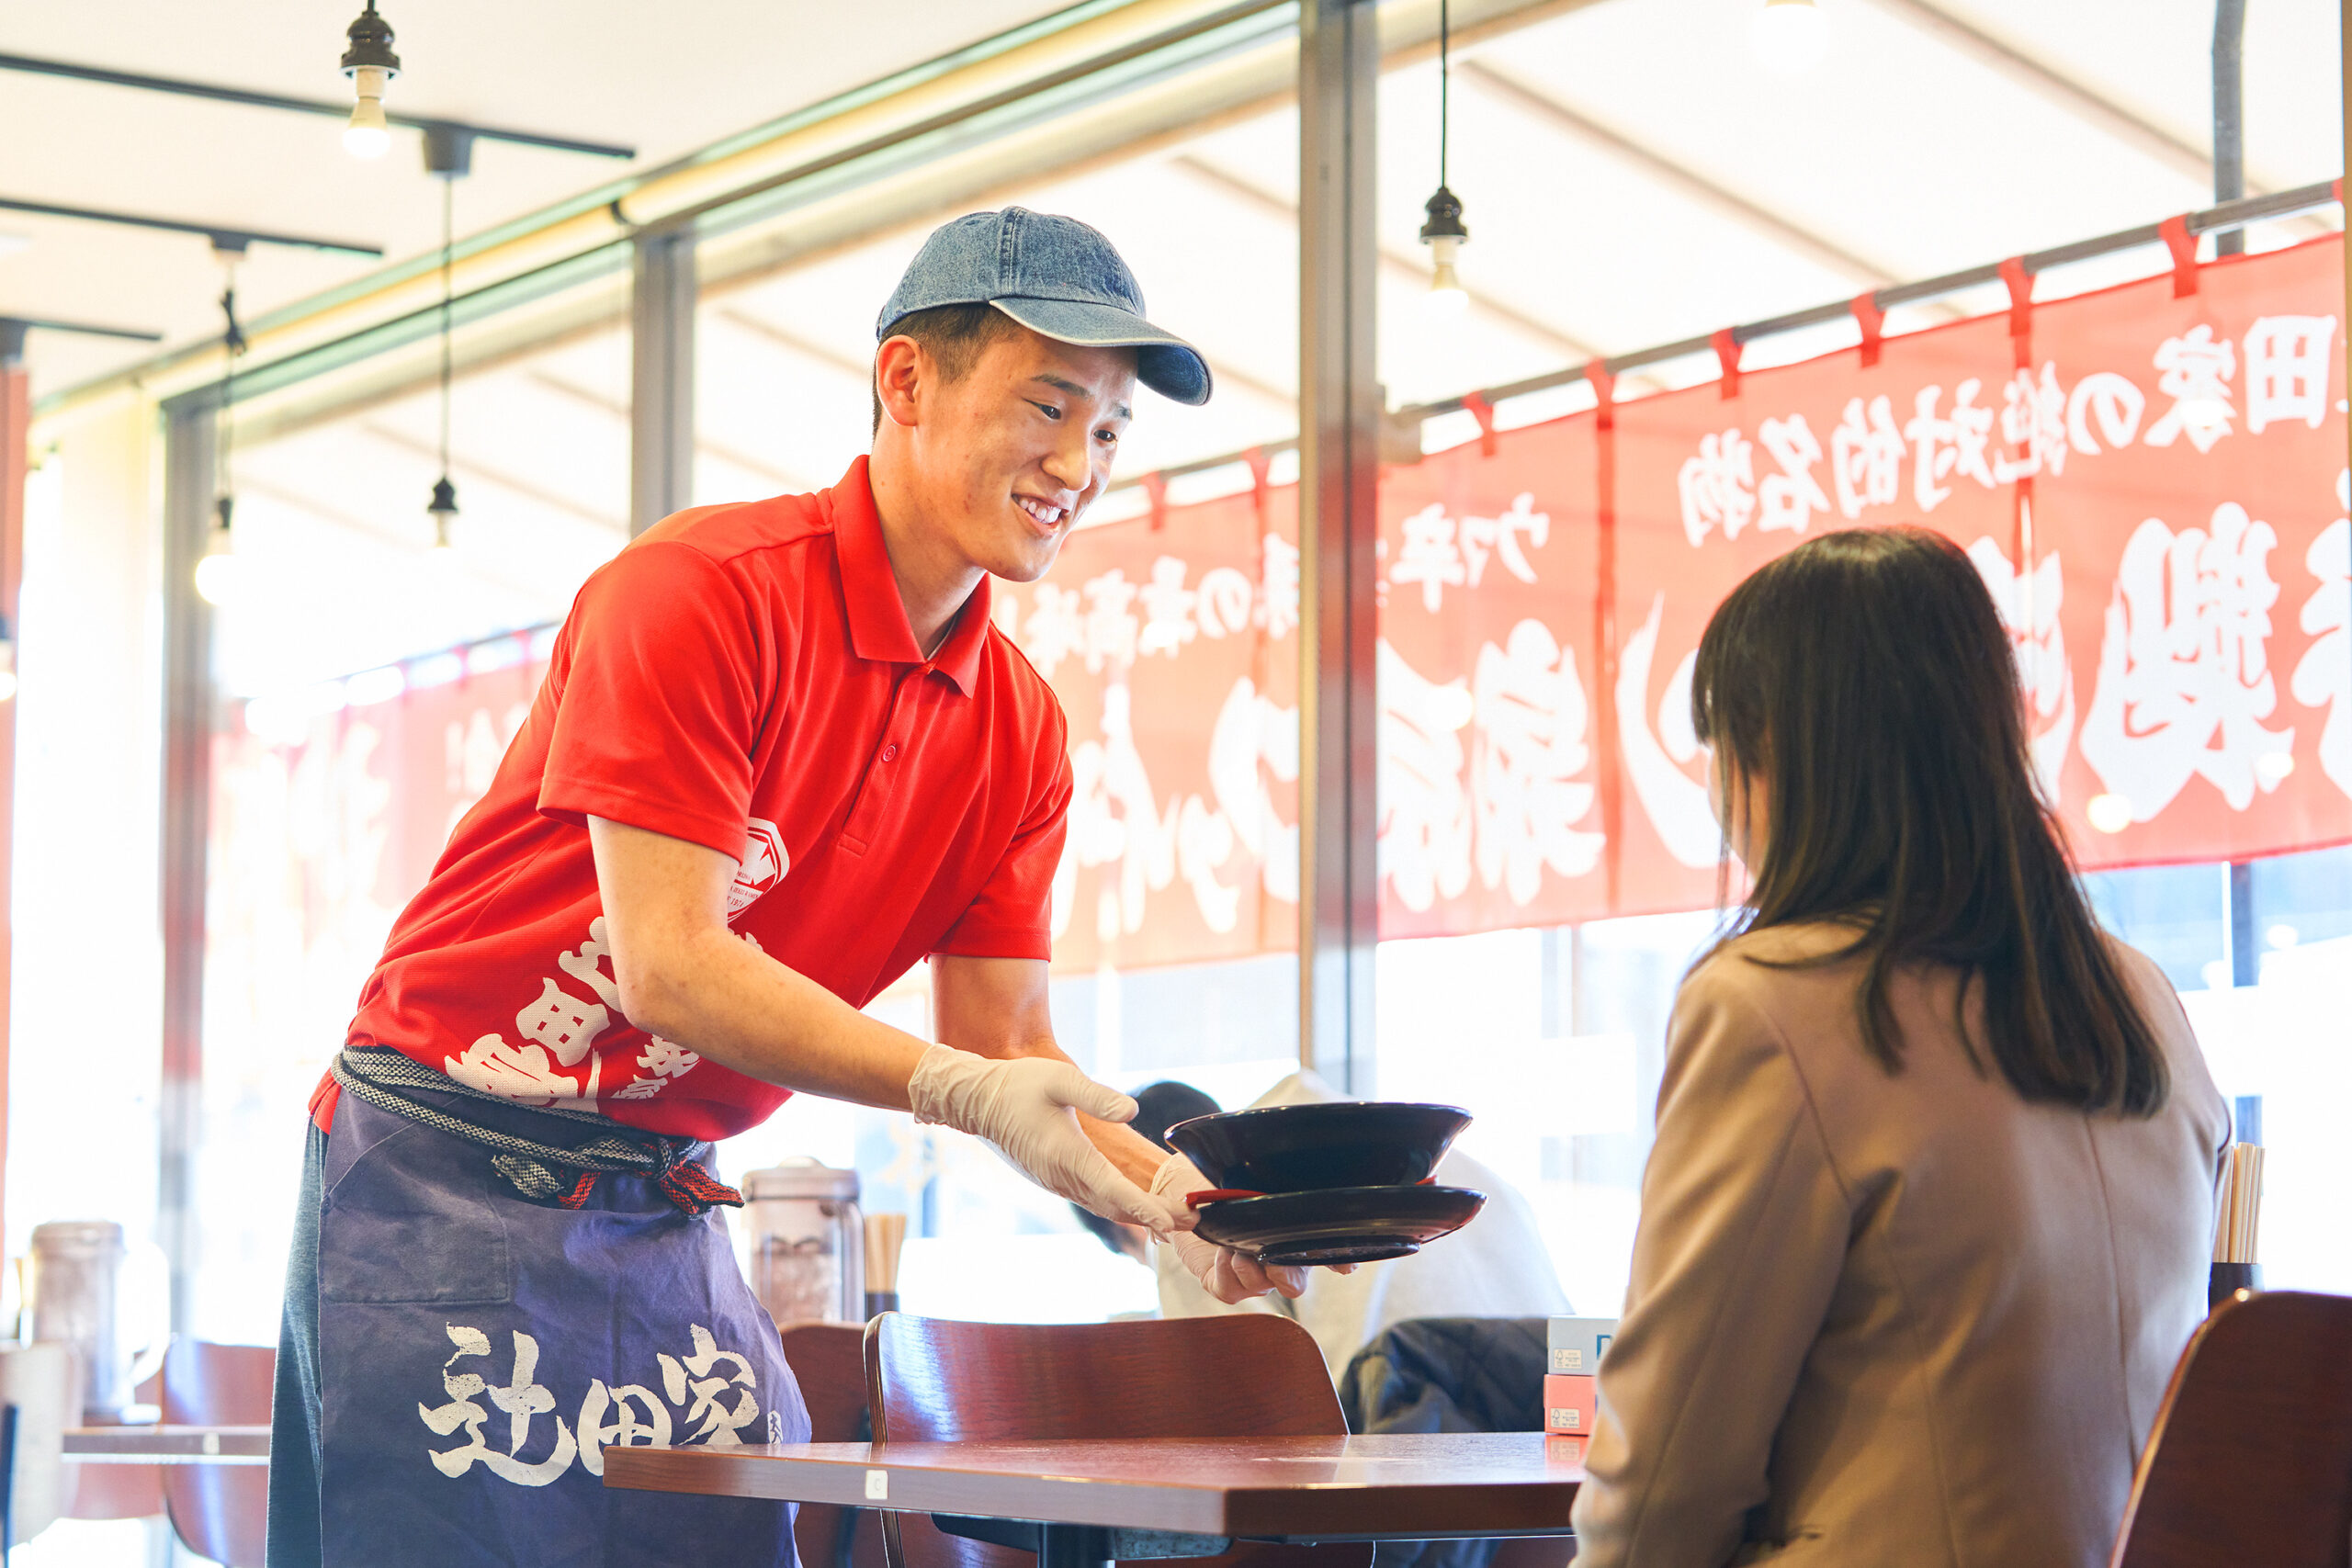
(808, 1243)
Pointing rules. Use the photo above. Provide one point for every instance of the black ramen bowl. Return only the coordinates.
(1299, 1149)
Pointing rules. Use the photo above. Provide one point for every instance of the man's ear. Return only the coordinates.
(902, 373)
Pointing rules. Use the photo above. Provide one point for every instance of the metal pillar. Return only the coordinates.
(2237, 916)
(2229, 117)
(1339, 409)
(189, 702)
(16, 431)
(661, 378)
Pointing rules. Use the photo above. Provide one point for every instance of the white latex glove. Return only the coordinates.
(1028, 1108)
(1228, 1275)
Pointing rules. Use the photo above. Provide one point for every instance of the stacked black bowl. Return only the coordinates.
(1344, 1183)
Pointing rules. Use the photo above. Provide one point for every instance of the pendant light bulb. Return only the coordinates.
(220, 576)
(443, 509)
(367, 135)
(371, 63)
(1790, 35)
(1447, 297)
(1443, 232)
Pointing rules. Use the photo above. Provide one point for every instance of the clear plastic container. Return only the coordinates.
(807, 1242)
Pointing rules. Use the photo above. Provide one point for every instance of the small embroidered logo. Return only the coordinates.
(764, 861)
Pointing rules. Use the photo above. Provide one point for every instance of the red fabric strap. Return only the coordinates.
(1727, 349)
(2020, 282)
(1156, 486)
(1604, 390)
(2183, 246)
(1484, 412)
(693, 1188)
(1260, 466)
(578, 1196)
(690, 1189)
(1872, 319)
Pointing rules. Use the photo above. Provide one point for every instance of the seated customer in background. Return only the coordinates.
(1494, 1266)
(1929, 1213)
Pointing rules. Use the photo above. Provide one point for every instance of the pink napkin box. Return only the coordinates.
(1569, 1402)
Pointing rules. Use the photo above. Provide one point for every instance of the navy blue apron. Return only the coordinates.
(478, 1353)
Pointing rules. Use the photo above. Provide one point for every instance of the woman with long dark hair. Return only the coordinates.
(1929, 1213)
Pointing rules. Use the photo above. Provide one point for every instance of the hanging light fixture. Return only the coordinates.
(449, 157)
(371, 63)
(1790, 35)
(220, 575)
(443, 508)
(1441, 229)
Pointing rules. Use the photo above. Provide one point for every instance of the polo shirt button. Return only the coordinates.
(890, 752)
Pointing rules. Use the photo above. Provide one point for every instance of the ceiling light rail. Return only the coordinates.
(2228, 216)
(14, 328)
(333, 109)
(225, 236)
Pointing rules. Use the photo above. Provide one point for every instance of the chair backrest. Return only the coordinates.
(828, 1359)
(2250, 1460)
(220, 1511)
(1248, 1375)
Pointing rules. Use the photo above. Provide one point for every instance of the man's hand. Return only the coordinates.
(1028, 1108)
(1228, 1275)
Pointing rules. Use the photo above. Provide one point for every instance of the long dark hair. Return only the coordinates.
(1865, 680)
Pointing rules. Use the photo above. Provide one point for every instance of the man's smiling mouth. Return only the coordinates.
(1046, 514)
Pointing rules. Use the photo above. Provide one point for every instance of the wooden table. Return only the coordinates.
(1091, 1503)
(167, 1445)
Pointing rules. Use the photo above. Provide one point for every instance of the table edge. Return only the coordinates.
(1534, 1505)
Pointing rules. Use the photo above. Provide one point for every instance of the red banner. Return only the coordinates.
(2152, 481)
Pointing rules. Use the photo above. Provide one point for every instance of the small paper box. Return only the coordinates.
(1577, 1343)
(1569, 1402)
(1559, 1450)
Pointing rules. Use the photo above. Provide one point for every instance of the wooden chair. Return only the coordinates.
(118, 1490)
(1248, 1375)
(829, 1360)
(220, 1511)
(2250, 1460)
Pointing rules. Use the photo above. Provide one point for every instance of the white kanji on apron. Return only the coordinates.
(521, 1399)
(615, 1416)
(720, 1425)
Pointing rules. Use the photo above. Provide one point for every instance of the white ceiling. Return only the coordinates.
(665, 79)
(1631, 175)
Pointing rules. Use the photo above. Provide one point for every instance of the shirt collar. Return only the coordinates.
(878, 628)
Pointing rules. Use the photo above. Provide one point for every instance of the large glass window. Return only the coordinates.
(2276, 1047)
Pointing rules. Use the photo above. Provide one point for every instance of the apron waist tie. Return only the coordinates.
(542, 1172)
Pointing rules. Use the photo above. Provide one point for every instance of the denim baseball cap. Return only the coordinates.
(1056, 276)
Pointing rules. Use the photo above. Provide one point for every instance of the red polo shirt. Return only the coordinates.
(742, 677)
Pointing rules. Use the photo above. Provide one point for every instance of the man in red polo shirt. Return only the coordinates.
(781, 755)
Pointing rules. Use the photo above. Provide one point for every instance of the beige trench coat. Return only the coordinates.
(1890, 1321)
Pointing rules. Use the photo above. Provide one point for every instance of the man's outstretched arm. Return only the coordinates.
(685, 976)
